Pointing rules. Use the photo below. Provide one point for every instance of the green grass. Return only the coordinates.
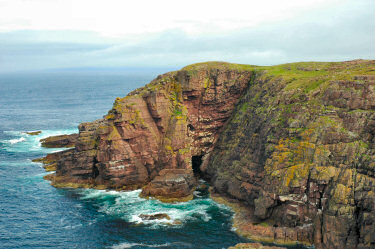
(177, 112)
(218, 65)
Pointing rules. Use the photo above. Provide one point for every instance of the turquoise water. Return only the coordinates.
(35, 215)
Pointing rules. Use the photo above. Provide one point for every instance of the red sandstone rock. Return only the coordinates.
(59, 141)
(295, 143)
(254, 246)
(160, 126)
(171, 183)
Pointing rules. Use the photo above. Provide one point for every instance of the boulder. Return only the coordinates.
(254, 246)
(33, 133)
(158, 216)
(171, 185)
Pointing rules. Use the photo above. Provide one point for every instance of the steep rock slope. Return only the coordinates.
(153, 133)
(300, 151)
(295, 143)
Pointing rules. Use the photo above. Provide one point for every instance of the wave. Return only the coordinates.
(131, 208)
(130, 245)
(17, 140)
(142, 245)
(22, 142)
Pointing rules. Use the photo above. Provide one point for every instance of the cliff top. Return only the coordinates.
(295, 143)
(219, 65)
(303, 75)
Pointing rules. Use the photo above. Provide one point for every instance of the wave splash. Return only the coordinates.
(20, 141)
(142, 245)
(17, 140)
(131, 208)
(130, 245)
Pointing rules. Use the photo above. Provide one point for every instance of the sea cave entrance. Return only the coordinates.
(95, 172)
(196, 162)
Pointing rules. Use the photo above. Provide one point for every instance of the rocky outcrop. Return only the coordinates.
(33, 133)
(158, 216)
(254, 246)
(171, 185)
(300, 151)
(59, 141)
(294, 144)
(50, 160)
(150, 136)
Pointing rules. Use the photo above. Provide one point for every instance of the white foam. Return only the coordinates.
(72, 226)
(130, 207)
(17, 140)
(130, 245)
(22, 142)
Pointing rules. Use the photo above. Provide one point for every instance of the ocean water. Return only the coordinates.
(34, 214)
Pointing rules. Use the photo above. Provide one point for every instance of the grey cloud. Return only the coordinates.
(329, 35)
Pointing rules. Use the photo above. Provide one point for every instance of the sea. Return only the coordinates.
(33, 214)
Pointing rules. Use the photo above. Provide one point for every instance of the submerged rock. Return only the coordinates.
(33, 133)
(159, 216)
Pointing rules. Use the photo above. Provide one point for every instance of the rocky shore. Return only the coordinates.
(254, 246)
(291, 147)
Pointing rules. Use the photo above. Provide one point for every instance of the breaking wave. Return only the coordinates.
(17, 140)
(20, 141)
(131, 208)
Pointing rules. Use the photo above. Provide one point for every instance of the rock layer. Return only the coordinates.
(300, 151)
(295, 143)
(254, 246)
(156, 128)
(59, 141)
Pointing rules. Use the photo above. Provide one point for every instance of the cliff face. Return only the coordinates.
(153, 133)
(295, 143)
(299, 149)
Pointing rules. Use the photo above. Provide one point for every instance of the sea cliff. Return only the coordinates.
(292, 145)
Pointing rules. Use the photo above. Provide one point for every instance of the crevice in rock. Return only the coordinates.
(357, 211)
(191, 127)
(95, 172)
(196, 162)
(157, 119)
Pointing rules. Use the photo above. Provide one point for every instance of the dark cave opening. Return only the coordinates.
(196, 162)
(95, 172)
(191, 127)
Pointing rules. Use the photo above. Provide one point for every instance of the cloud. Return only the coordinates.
(326, 35)
(125, 17)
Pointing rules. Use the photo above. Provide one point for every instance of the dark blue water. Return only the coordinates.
(35, 215)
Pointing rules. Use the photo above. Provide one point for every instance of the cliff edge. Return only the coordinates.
(293, 143)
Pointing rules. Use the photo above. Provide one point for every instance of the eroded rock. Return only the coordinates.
(59, 141)
(254, 246)
(158, 127)
(33, 133)
(171, 185)
(158, 216)
(294, 143)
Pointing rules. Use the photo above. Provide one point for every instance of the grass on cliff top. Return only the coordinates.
(295, 67)
(218, 65)
(306, 76)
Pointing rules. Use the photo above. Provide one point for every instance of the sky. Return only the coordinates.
(52, 34)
